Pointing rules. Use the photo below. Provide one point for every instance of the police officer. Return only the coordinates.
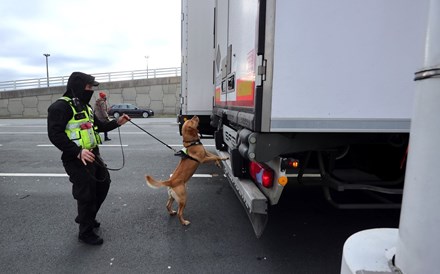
(73, 128)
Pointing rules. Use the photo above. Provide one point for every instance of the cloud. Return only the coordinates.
(94, 36)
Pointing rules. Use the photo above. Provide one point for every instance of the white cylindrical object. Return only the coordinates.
(369, 251)
(419, 234)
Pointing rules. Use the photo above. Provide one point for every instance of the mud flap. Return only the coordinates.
(219, 142)
(238, 164)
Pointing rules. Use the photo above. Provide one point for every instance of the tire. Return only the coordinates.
(116, 115)
(145, 114)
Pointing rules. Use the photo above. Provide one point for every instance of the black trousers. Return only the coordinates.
(90, 185)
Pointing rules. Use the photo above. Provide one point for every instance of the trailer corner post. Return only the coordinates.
(419, 237)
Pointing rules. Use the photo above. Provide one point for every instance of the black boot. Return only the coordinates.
(90, 238)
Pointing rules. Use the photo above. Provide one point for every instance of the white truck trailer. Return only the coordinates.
(196, 96)
(310, 92)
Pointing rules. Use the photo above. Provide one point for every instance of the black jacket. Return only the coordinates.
(60, 113)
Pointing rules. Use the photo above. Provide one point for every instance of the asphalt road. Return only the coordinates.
(38, 234)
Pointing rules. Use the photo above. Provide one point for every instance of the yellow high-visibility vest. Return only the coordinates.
(81, 129)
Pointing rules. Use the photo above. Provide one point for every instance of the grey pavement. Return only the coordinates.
(38, 234)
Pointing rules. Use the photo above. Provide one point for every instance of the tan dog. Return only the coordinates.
(196, 155)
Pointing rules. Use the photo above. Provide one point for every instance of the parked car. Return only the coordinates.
(129, 109)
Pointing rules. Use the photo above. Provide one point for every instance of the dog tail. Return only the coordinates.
(151, 182)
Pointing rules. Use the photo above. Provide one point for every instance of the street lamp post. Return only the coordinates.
(146, 58)
(47, 67)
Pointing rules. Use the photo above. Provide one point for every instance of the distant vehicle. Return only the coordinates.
(129, 109)
(196, 96)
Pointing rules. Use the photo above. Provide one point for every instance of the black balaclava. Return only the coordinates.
(76, 87)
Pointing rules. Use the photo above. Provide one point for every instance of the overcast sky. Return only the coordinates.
(93, 36)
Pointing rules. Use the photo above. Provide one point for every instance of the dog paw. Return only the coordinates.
(185, 222)
(172, 213)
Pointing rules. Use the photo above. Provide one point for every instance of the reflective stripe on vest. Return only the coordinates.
(81, 129)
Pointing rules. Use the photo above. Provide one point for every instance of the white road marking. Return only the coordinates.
(24, 132)
(5, 125)
(198, 175)
(65, 175)
(112, 145)
(45, 132)
(182, 145)
(49, 145)
(33, 175)
(202, 175)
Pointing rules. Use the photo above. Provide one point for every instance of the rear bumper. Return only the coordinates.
(250, 196)
(253, 199)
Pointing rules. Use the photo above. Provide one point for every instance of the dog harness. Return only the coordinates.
(193, 143)
(183, 153)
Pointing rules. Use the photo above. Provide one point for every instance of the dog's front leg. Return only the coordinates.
(209, 154)
(213, 158)
(217, 161)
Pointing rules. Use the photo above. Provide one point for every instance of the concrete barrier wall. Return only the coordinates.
(158, 94)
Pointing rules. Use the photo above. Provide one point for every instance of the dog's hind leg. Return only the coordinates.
(180, 191)
(170, 202)
(180, 214)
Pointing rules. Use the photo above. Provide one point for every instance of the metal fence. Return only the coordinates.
(100, 77)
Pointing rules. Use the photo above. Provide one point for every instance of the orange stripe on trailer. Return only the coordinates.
(245, 92)
(245, 95)
(217, 94)
(245, 88)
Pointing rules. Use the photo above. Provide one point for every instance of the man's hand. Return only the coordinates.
(86, 156)
(123, 119)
